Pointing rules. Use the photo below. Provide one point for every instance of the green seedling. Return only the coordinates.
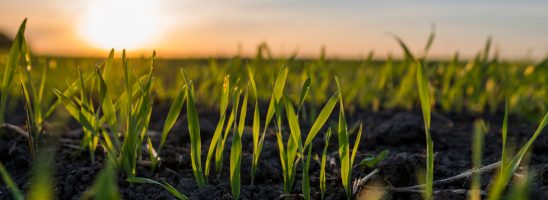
(172, 115)
(195, 139)
(33, 96)
(217, 135)
(323, 182)
(258, 140)
(500, 182)
(82, 110)
(346, 156)
(236, 147)
(219, 149)
(289, 152)
(137, 115)
(424, 96)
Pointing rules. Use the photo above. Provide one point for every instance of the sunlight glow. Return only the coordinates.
(129, 24)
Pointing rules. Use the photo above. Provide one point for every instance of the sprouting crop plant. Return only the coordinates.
(243, 127)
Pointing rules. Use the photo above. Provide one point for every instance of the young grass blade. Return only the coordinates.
(41, 186)
(283, 159)
(252, 83)
(108, 64)
(29, 120)
(486, 50)
(304, 92)
(215, 140)
(344, 154)
(256, 127)
(479, 132)
(323, 184)
(164, 184)
(74, 111)
(294, 144)
(406, 50)
(306, 176)
(15, 191)
(256, 122)
(195, 141)
(14, 57)
(293, 122)
(424, 96)
(173, 114)
(108, 107)
(355, 147)
(256, 146)
(344, 147)
(430, 40)
(505, 154)
(70, 91)
(280, 84)
(502, 180)
(322, 118)
(154, 157)
(236, 151)
(39, 100)
(373, 160)
(230, 125)
(105, 186)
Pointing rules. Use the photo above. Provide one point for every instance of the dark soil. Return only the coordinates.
(401, 132)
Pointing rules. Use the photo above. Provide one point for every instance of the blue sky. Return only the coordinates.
(347, 28)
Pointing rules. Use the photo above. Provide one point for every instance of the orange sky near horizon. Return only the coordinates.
(217, 28)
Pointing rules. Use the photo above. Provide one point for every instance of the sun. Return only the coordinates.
(129, 24)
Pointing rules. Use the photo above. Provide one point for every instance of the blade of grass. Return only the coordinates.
(500, 182)
(355, 147)
(41, 187)
(195, 140)
(346, 156)
(15, 191)
(322, 118)
(306, 176)
(173, 114)
(215, 140)
(109, 112)
(10, 68)
(257, 142)
(108, 64)
(505, 154)
(424, 96)
(236, 150)
(104, 186)
(280, 83)
(229, 124)
(323, 184)
(164, 184)
(304, 92)
(344, 149)
(479, 132)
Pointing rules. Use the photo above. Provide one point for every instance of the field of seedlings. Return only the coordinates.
(272, 128)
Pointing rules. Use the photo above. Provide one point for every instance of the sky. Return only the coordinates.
(348, 29)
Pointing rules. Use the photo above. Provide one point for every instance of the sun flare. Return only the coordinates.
(129, 24)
